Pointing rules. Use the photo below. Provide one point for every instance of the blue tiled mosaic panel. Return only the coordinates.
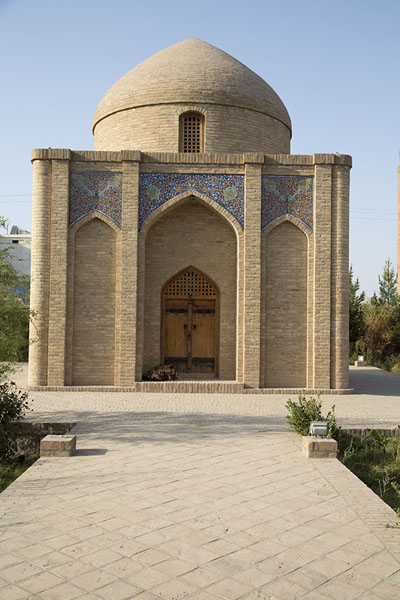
(158, 188)
(95, 190)
(286, 195)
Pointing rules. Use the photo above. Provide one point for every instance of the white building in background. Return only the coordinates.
(19, 243)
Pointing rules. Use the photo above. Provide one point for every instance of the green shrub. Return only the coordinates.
(375, 460)
(13, 406)
(12, 468)
(304, 411)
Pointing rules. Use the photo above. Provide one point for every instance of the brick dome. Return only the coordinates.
(192, 75)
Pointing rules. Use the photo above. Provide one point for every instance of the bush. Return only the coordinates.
(304, 411)
(13, 406)
(375, 460)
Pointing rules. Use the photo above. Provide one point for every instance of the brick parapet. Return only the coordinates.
(206, 158)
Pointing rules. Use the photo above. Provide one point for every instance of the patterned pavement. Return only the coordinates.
(201, 497)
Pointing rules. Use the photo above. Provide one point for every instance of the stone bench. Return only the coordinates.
(58, 445)
(315, 447)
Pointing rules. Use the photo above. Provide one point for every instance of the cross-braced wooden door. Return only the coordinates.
(190, 323)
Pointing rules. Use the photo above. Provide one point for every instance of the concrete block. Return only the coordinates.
(360, 363)
(58, 445)
(314, 447)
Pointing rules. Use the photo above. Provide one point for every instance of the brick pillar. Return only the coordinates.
(129, 274)
(252, 268)
(40, 257)
(58, 271)
(340, 278)
(322, 275)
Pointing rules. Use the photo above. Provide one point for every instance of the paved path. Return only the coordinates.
(201, 497)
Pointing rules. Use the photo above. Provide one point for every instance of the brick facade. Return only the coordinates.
(283, 290)
(268, 228)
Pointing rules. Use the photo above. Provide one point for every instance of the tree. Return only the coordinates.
(14, 313)
(388, 285)
(13, 406)
(356, 321)
(380, 338)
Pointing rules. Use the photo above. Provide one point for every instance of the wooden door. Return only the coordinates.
(190, 323)
(203, 336)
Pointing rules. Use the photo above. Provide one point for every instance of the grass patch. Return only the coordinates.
(13, 468)
(374, 460)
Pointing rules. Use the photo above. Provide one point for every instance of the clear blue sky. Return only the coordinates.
(335, 65)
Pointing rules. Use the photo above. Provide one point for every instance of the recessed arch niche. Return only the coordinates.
(93, 320)
(284, 302)
(191, 233)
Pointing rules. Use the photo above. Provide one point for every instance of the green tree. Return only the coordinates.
(13, 406)
(380, 339)
(388, 285)
(356, 319)
(14, 313)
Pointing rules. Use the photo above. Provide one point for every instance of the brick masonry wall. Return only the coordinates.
(124, 290)
(322, 275)
(227, 129)
(94, 305)
(40, 272)
(339, 279)
(252, 274)
(284, 307)
(191, 234)
(58, 273)
(129, 273)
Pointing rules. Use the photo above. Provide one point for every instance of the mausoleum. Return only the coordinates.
(190, 236)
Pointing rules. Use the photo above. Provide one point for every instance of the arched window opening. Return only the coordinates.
(191, 132)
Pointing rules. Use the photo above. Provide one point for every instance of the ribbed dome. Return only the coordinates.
(192, 72)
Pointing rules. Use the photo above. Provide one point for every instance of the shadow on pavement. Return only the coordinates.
(166, 428)
(373, 381)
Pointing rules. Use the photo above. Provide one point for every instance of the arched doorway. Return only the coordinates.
(190, 323)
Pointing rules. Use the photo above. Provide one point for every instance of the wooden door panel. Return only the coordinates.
(203, 345)
(190, 323)
(175, 340)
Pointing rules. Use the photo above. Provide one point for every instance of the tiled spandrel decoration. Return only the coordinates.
(287, 195)
(158, 188)
(95, 190)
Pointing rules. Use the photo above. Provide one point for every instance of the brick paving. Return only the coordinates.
(201, 497)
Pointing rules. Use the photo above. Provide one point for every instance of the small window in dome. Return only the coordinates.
(191, 132)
